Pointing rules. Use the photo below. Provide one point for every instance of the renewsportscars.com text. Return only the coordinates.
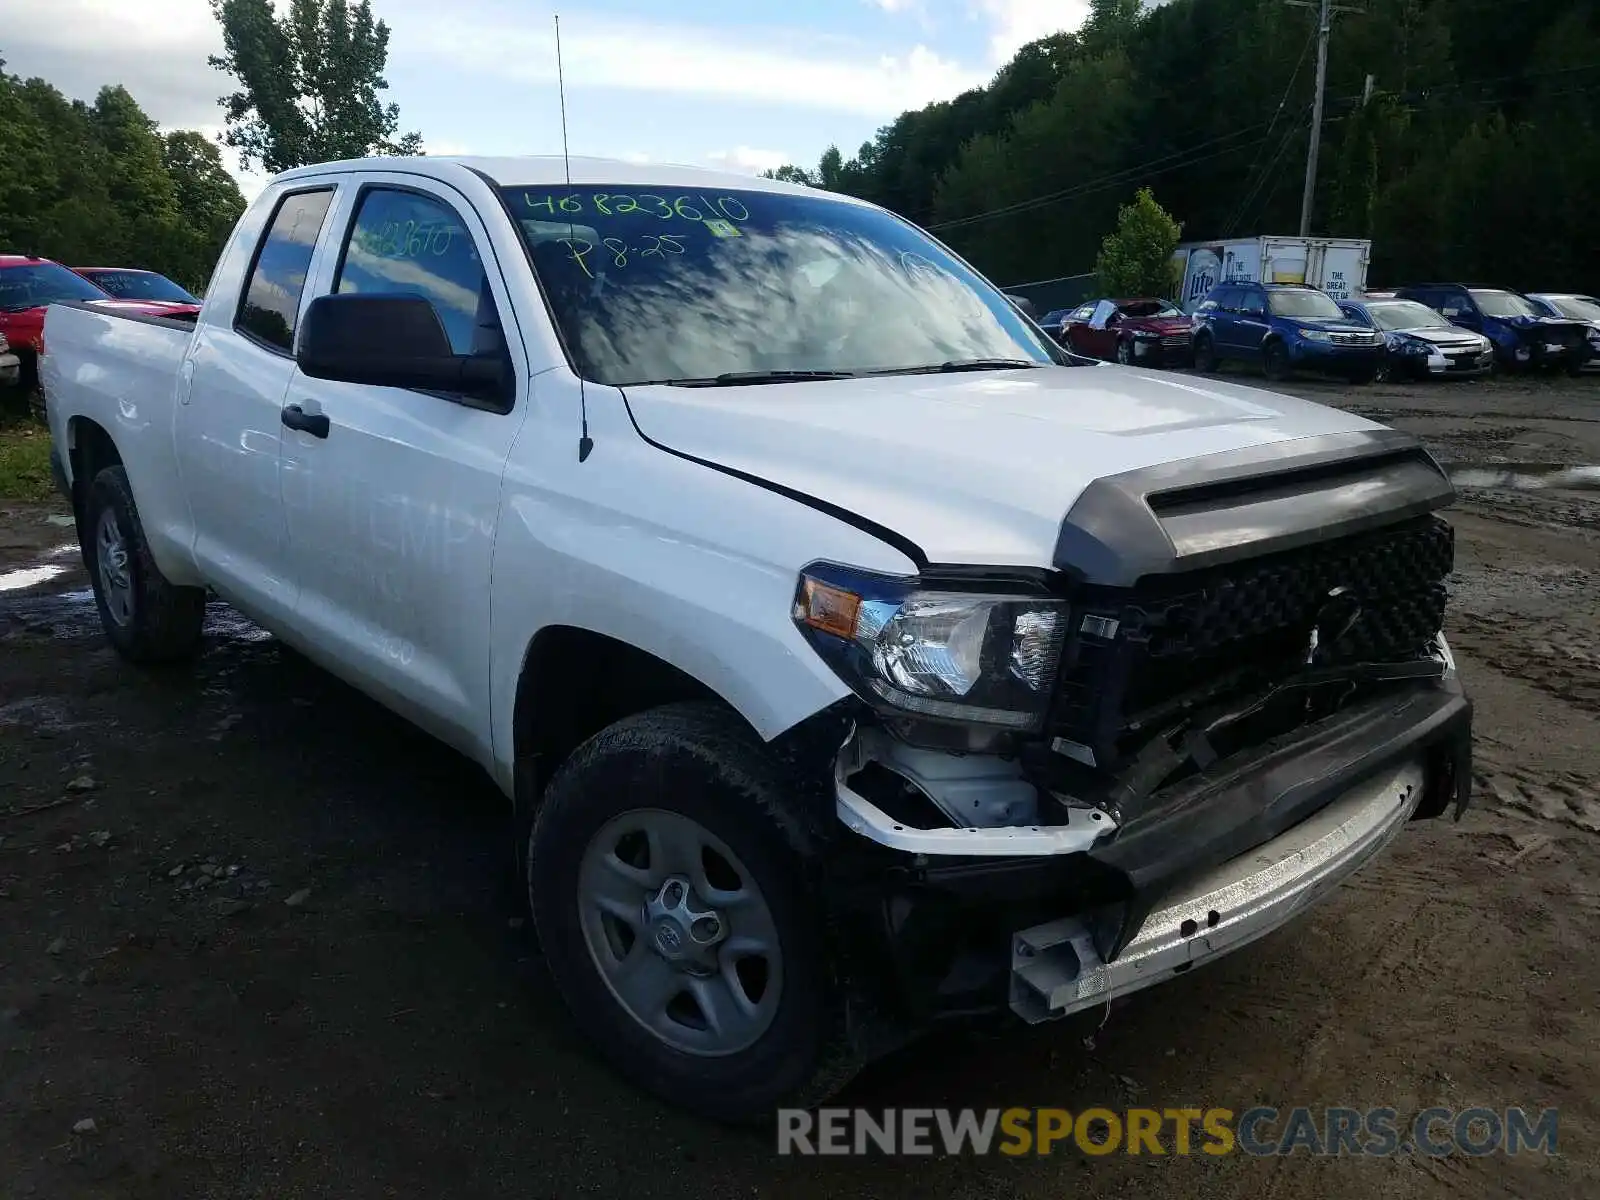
(1260, 1131)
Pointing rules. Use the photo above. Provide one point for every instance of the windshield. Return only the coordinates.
(659, 288)
(42, 283)
(1406, 314)
(140, 285)
(1503, 304)
(1149, 308)
(1579, 308)
(1306, 303)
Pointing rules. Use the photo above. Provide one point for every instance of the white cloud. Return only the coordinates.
(894, 6)
(818, 73)
(746, 158)
(1015, 23)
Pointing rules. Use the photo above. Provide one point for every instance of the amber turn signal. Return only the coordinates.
(830, 609)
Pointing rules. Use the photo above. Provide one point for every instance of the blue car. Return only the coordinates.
(1283, 327)
(1419, 342)
(1524, 338)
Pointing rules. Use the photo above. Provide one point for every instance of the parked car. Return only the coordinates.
(10, 365)
(1575, 307)
(29, 284)
(1420, 342)
(1283, 327)
(1054, 322)
(1523, 337)
(133, 283)
(1142, 331)
(849, 659)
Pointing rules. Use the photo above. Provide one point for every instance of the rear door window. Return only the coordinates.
(270, 308)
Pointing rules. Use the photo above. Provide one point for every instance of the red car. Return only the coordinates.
(1142, 332)
(135, 283)
(28, 285)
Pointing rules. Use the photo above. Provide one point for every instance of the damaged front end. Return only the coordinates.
(1249, 693)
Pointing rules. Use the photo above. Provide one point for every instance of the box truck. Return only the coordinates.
(1336, 265)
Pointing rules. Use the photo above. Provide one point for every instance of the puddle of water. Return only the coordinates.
(1525, 477)
(63, 522)
(28, 577)
(74, 614)
(37, 712)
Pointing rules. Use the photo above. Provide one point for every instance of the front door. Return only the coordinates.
(230, 395)
(391, 517)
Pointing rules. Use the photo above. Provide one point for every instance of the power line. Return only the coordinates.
(1114, 179)
(1289, 135)
(1293, 78)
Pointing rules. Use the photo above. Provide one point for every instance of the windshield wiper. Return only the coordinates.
(738, 378)
(961, 364)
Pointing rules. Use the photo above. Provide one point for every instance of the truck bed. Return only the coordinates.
(120, 371)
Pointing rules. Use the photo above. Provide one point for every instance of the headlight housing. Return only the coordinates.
(974, 657)
(1317, 335)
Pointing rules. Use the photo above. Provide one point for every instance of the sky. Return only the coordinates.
(740, 84)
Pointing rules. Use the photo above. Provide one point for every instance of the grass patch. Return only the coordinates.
(25, 460)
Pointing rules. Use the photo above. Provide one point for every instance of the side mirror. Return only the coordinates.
(1022, 304)
(393, 341)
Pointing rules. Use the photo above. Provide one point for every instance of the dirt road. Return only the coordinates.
(263, 936)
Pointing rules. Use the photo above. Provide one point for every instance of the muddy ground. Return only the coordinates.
(263, 936)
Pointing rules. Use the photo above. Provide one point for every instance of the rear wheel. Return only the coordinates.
(1275, 362)
(670, 880)
(1205, 355)
(146, 618)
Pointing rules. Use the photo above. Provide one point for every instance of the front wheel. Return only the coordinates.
(1125, 352)
(147, 618)
(1275, 362)
(668, 874)
(1205, 356)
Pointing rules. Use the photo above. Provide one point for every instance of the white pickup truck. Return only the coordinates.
(854, 659)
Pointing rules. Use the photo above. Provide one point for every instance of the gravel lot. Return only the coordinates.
(264, 937)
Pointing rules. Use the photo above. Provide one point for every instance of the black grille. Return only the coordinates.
(1197, 637)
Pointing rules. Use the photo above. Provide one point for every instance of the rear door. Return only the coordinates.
(391, 517)
(1098, 336)
(230, 395)
(1251, 324)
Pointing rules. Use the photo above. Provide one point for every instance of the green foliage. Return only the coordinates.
(1136, 258)
(97, 185)
(1476, 156)
(24, 460)
(309, 83)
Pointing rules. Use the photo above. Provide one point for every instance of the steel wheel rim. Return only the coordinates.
(680, 933)
(113, 568)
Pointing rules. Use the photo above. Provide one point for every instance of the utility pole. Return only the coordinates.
(1324, 23)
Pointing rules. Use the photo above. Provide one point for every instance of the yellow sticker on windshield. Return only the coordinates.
(721, 228)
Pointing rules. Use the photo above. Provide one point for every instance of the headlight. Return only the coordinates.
(988, 658)
(1317, 335)
(1415, 347)
(1444, 654)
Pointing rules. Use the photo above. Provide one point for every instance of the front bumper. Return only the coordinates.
(10, 370)
(1057, 967)
(1331, 356)
(1167, 351)
(1205, 866)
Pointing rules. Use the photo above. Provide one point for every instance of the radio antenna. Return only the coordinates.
(585, 442)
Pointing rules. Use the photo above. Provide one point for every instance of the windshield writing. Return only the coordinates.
(141, 285)
(652, 287)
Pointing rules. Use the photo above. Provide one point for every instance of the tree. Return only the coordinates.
(310, 83)
(1136, 259)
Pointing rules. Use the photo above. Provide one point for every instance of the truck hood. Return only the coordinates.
(977, 468)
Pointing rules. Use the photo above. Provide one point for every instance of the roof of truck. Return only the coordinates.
(552, 170)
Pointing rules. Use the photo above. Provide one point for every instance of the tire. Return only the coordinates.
(1364, 377)
(671, 771)
(146, 618)
(1125, 352)
(1205, 356)
(1383, 373)
(1275, 362)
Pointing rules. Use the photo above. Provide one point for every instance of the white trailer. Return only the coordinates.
(1336, 265)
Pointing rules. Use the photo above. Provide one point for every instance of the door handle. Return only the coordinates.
(295, 417)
